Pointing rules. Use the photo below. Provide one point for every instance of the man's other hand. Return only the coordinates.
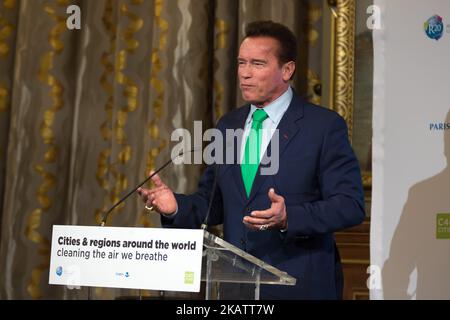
(273, 218)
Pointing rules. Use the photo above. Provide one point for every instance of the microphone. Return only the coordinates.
(106, 215)
(213, 191)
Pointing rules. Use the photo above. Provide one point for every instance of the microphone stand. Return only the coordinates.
(132, 191)
(204, 225)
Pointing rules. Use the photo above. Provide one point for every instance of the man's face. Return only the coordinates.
(261, 78)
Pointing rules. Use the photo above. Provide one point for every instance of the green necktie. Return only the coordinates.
(250, 162)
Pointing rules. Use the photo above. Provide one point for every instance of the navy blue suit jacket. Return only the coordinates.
(319, 178)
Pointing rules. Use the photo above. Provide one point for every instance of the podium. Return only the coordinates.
(123, 258)
(231, 273)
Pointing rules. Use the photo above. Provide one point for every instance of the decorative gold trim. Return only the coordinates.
(106, 81)
(116, 130)
(4, 97)
(130, 93)
(159, 89)
(314, 14)
(342, 65)
(332, 55)
(51, 153)
(313, 80)
(343, 60)
(222, 30)
(6, 30)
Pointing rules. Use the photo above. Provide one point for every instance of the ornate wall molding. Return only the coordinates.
(343, 59)
(343, 65)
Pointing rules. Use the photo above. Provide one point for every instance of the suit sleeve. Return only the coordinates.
(342, 203)
(192, 208)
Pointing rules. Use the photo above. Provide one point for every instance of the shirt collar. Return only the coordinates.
(276, 108)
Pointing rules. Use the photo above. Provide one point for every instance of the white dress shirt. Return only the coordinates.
(275, 111)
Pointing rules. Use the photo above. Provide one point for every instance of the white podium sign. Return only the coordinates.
(134, 258)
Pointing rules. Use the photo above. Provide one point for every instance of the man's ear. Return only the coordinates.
(288, 70)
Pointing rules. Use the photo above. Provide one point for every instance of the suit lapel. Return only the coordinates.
(288, 128)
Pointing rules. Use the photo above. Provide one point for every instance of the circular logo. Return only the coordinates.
(434, 27)
(59, 271)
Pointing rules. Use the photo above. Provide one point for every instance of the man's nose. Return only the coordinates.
(245, 71)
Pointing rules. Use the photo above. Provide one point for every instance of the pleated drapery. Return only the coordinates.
(86, 114)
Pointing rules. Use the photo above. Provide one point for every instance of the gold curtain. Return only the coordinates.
(86, 114)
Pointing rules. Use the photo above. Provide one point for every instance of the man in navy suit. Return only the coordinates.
(286, 218)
